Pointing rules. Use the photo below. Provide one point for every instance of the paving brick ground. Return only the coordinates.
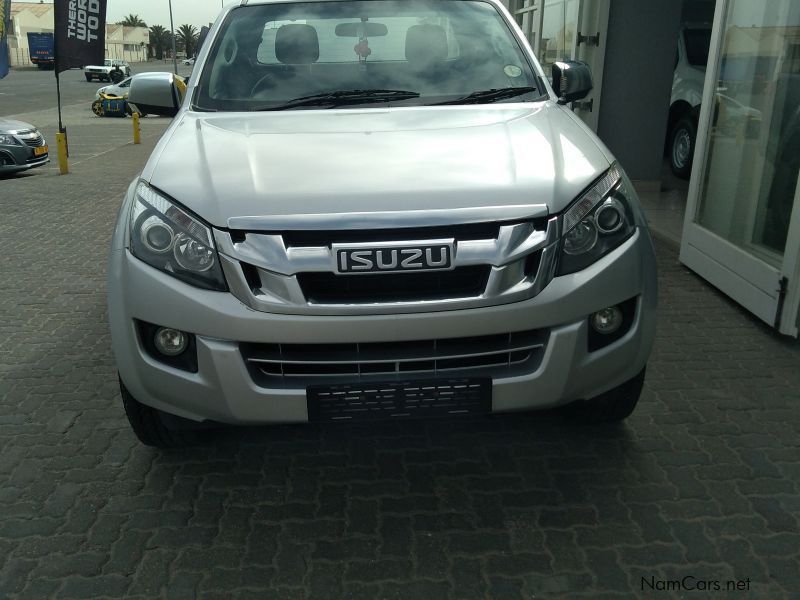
(702, 481)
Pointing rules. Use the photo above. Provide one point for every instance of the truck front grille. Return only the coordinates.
(329, 288)
(462, 232)
(294, 365)
(296, 271)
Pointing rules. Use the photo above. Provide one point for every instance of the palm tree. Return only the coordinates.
(160, 39)
(132, 21)
(187, 36)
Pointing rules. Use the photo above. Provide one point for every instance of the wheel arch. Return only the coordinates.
(678, 110)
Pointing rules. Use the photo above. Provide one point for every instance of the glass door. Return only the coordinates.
(528, 14)
(741, 224)
(567, 30)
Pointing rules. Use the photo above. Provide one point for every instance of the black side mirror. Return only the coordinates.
(572, 80)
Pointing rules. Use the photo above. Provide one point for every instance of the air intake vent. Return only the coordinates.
(329, 288)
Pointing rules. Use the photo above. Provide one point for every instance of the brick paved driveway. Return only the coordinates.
(701, 481)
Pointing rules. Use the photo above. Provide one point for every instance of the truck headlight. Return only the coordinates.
(168, 238)
(597, 222)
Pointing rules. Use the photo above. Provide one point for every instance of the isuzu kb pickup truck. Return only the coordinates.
(375, 209)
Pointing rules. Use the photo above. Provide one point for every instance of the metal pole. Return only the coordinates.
(62, 144)
(172, 27)
(58, 97)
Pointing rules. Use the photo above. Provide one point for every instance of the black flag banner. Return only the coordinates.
(80, 33)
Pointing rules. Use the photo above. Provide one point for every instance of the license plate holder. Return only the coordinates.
(39, 151)
(399, 400)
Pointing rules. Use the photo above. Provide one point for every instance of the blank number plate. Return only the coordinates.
(399, 400)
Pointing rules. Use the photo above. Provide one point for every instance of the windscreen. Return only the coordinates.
(421, 51)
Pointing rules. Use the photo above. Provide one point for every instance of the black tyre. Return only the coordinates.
(612, 406)
(150, 424)
(88, 77)
(681, 147)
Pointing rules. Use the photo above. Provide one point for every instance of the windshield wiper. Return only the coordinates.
(343, 97)
(489, 95)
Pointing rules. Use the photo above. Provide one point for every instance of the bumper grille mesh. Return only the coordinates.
(294, 365)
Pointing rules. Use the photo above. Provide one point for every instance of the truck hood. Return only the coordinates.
(229, 166)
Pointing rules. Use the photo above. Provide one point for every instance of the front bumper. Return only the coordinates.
(20, 158)
(223, 389)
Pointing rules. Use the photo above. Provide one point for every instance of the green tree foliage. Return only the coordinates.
(132, 21)
(187, 36)
(160, 40)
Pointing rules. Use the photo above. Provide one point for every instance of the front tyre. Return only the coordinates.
(681, 147)
(149, 424)
(612, 406)
(88, 78)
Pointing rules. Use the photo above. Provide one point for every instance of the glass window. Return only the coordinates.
(559, 31)
(751, 168)
(269, 54)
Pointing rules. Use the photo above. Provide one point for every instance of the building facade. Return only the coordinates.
(126, 43)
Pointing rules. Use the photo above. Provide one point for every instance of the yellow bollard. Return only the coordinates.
(61, 143)
(137, 132)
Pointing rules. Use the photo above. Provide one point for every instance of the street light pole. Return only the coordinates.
(172, 27)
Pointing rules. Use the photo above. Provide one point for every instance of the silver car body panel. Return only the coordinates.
(255, 176)
(224, 391)
(286, 164)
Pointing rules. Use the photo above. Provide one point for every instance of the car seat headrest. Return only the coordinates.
(296, 44)
(426, 43)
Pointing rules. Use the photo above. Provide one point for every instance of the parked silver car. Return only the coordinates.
(379, 217)
(22, 147)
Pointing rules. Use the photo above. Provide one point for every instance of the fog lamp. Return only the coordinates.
(170, 342)
(607, 321)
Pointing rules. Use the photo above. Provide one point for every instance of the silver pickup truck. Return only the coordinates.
(375, 210)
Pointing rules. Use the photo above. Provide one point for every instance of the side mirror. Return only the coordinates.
(157, 93)
(572, 80)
